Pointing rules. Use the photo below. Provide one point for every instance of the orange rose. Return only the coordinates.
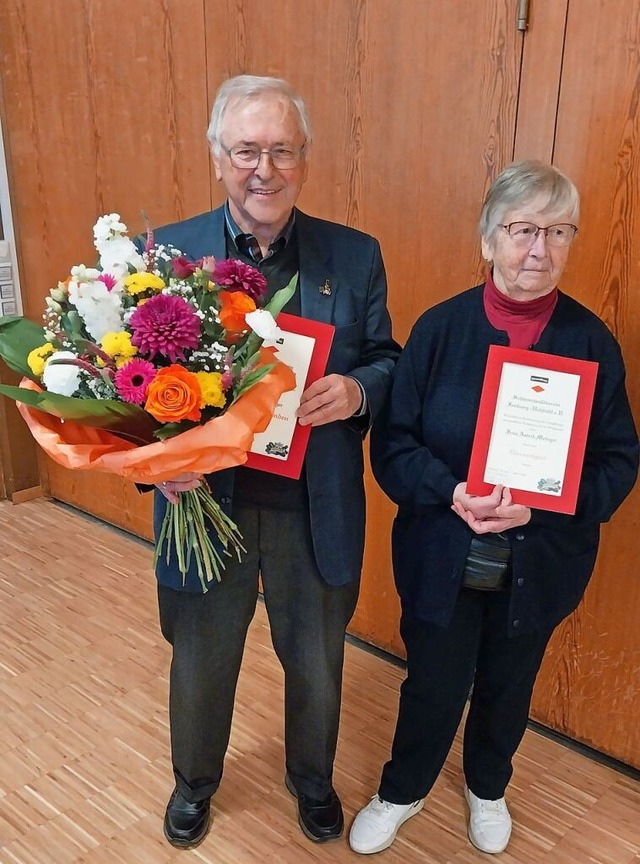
(174, 395)
(234, 306)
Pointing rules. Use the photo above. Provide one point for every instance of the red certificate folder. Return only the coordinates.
(289, 464)
(544, 364)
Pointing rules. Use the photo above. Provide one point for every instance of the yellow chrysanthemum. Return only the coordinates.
(118, 346)
(137, 283)
(211, 388)
(37, 358)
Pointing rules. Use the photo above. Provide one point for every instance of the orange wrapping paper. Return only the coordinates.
(220, 443)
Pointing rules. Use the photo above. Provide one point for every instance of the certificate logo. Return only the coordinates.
(548, 484)
(275, 448)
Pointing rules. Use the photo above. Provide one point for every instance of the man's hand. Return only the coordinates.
(182, 483)
(476, 511)
(334, 397)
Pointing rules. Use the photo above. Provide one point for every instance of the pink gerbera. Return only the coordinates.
(109, 280)
(165, 325)
(236, 276)
(132, 380)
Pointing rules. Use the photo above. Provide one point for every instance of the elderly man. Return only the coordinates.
(305, 537)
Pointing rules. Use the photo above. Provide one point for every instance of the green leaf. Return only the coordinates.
(252, 378)
(123, 419)
(275, 306)
(282, 297)
(18, 337)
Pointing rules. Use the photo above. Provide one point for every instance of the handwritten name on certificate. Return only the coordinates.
(532, 428)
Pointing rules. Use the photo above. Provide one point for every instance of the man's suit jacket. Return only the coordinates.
(362, 347)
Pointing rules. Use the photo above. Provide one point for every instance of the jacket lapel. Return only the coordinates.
(217, 237)
(318, 285)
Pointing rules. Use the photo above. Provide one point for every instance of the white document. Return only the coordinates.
(296, 351)
(532, 428)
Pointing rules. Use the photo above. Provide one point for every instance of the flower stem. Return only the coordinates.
(197, 526)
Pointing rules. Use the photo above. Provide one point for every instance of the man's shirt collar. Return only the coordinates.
(248, 244)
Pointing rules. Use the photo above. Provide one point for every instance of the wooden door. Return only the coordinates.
(589, 687)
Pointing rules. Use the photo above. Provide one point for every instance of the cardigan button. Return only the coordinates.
(516, 622)
(519, 536)
(520, 581)
(225, 500)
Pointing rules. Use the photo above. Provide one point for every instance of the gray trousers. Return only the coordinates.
(307, 618)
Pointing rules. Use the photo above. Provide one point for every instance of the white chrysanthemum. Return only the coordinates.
(263, 325)
(80, 273)
(116, 251)
(108, 226)
(61, 378)
(100, 309)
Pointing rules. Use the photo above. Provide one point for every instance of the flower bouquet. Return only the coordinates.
(149, 366)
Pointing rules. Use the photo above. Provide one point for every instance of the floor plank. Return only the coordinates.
(84, 750)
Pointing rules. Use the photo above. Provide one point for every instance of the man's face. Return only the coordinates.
(261, 199)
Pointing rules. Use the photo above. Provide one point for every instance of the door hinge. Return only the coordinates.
(523, 15)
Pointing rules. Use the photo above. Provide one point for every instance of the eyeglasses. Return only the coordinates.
(282, 158)
(525, 233)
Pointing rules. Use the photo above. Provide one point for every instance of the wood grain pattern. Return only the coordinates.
(540, 81)
(414, 105)
(84, 752)
(589, 687)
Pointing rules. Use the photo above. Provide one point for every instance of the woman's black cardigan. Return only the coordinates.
(421, 446)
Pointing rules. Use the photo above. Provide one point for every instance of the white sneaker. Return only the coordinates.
(489, 823)
(376, 825)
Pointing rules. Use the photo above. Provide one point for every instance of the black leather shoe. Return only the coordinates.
(186, 824)
(319, 820)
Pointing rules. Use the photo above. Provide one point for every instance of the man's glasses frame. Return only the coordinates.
(248, 158)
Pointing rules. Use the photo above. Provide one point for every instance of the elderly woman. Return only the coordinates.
(484, 581)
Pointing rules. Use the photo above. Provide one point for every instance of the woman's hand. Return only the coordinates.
(489, 514)
(182, 483)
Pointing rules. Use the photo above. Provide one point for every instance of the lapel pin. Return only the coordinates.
(325, 288)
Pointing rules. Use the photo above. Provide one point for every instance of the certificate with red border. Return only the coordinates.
(532, 427)
(305, 347)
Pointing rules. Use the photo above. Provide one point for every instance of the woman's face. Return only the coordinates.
(526, 268)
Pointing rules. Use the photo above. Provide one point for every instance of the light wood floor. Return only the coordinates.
(84, 751)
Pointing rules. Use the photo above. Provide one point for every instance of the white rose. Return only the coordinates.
(61, 378)
(263, 325)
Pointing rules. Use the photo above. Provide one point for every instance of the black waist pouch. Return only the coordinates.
(488, 564)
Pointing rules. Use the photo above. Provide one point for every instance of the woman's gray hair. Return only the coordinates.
(245, 87)
(521, 183)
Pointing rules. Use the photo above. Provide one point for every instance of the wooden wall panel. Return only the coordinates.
(590, 684)
(105, 108)
(414, 105)
(540, 81)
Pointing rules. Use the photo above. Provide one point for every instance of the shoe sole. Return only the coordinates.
(187, 844)
(473, 842)
(303, 827)
(391, 837)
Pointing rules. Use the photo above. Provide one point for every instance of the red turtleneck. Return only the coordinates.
(523, 321)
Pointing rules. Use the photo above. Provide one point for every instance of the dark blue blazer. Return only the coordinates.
(362, 347)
